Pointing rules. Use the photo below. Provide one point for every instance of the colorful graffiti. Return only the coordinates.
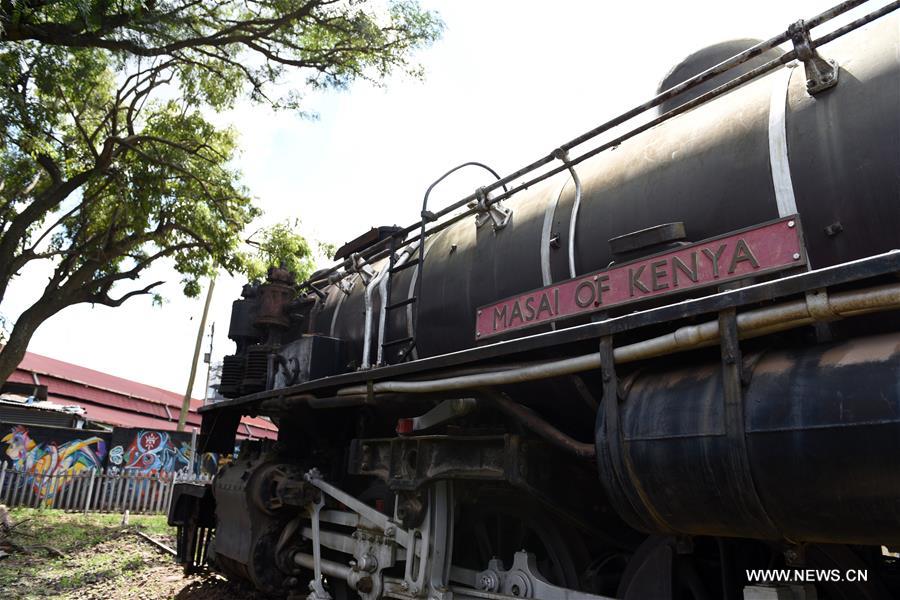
(53, 450)
(52, 460)
(149, 452)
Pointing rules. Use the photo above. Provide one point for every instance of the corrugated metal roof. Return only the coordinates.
(117, 401)
(99, 381)
(30, 415)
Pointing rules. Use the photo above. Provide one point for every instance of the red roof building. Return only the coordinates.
(116, 401)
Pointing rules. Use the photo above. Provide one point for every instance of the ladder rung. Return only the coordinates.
(406, 265)
(406, 351)
(409, 300)
(398, 341)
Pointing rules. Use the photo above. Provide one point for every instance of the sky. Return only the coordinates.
(509, 81)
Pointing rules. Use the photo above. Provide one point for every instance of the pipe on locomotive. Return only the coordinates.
(378, 250)
(538, 425)
(563, 155)
(754, 323)
(367, 327)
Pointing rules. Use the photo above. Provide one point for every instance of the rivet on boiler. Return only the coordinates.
(796, 256)
(791, 224)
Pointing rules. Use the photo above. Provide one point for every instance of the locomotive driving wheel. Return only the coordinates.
(499, 527)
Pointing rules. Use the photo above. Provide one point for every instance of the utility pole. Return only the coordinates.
(208, 360)
(186, 402)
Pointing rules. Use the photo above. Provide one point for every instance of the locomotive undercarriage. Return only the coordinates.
(500, 503)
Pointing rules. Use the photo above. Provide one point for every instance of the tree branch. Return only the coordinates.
(105, 300)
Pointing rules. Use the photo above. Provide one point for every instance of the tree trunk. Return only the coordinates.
(14, 350)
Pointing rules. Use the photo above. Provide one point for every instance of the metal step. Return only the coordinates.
(406, 265)
(397, 341)
(401, 303)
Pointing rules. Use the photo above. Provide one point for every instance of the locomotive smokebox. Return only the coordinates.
(812, 456)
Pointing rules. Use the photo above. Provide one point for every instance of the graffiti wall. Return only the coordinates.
(50, 456)
(151, 451)
(52, 452)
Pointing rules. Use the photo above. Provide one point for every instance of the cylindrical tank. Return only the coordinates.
(710, 168)
(820, 433)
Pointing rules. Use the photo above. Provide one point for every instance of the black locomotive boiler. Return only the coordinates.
(657, 363)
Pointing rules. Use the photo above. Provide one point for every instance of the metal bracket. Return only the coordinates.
(640, 512)
(821, 73)
(427, 551)
(496, 213)
(819, 306)
(365, 270)
(443, 412)
(316, 587)
(523, 580)
(345, 286)
(365, 511)
(373, 551)
(372, 554)
(442, 519)
(732, 363)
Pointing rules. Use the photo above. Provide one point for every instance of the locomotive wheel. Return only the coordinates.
(657, 571)
(499, 528)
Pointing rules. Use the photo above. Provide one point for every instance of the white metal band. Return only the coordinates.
(340, 301)
(778, 149)
(549, 213)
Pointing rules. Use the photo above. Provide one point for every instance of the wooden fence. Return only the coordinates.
(92, 491)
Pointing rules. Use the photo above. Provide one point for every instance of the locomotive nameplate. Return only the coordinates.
(766, 248)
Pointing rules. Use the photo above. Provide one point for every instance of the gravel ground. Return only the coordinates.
(100, 561)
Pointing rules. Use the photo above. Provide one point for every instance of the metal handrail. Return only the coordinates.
(427, 218)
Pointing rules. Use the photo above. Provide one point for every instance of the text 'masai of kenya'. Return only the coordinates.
(766, 248)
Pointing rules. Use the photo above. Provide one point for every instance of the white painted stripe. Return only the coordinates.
(340, 301)
(549, 213)
(778, 149)
(573, 221)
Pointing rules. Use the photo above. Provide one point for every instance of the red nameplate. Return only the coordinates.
(767, 248)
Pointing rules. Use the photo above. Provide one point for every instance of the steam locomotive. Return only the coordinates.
(658, 363)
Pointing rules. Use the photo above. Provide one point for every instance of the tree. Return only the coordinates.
(108, 162)
(282, 245)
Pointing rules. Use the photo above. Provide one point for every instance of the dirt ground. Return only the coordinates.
(100, 560)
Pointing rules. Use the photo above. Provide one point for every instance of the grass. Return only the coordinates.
(101, 560)
(65, 531)
(95, 548)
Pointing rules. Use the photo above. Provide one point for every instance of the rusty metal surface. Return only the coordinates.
(274, 296)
